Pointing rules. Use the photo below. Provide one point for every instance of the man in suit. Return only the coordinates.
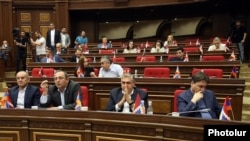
(76, 56)
(104, 43)
(62, 95)
(198, 98)
(53, 37)
(24, 95)
(122, 99)
(50, 58)
(179, 55)
(65, 38)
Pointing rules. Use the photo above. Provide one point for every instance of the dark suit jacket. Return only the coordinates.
(31, 98)
(87, 71)
(176, 59)
(116, 95)
(185, 104)
(56, 58)
(70, 96)
(73, 58)
(57, 38)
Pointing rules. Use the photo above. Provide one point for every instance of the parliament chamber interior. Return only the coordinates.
(192, 25)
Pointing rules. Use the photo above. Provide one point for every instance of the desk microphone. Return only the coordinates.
(177, 114)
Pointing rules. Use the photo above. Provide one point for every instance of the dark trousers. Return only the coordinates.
(21, 59)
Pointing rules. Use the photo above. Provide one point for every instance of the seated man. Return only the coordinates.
(24, 95)
(50, 58)
(62, 95)
(217, 45)
(179, 55)
(59, 49)
(109, 69)
(104, 43)
(122, 99)
(3, 53)
(76, 56)
(198, 98)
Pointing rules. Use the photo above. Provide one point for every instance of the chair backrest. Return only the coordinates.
(213, 73)
(191, 49)
(106, 51)
(85, 96)
(96, 70)
(171, 56)
(146, 58)
(213, 58)
(48, 72)
(119, 59)
(157, 72)
(190, 42)
(176, 93)
(126, 70)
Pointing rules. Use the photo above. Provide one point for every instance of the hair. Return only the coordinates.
(128, 75)
(216, 39)
(200, 76)
(49, 49)
(159, 41)
(81, 62)
(107, 59)
(128, 44)
(180, 48)
(65, 73)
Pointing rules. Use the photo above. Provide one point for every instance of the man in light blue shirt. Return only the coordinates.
(109, 69)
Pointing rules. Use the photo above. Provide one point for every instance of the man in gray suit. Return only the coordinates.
(65, 39)
(62, 95)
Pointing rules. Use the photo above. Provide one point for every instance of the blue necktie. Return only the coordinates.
(204, 114)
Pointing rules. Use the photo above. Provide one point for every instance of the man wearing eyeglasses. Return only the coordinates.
(109, 69)
(197, 99)
(62, 95)
(122, 99)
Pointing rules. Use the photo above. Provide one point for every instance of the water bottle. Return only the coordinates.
(161, 59)
(142, 107)
(150, 108)
(94, 60)
(136, 73)
(110, 44)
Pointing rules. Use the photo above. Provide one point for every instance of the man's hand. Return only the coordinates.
(45, 85)
(197, 96)
(121, 102)
(127, 96)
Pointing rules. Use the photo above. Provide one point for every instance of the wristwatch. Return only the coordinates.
(132, 102)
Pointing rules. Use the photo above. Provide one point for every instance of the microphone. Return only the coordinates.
(177, 114)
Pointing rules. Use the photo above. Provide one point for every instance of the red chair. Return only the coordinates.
(213, 73)
(85, 95)
(118, 59)
(190, 42)
(191, 49)
(213, 58)
(171, 56)
(96, 70)
(157, 72)
(104, 51)
(126, 70)
(176, 93)
(48, 72)
(35, 72)
(146, 59)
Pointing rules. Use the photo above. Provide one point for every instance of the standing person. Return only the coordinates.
(40, 44)
(21, 44)
(198, 98)
(53, 37)
(122, 99)
(24, 95)
(62, 95)
(81, 40)
(238, 35)
(65, 38)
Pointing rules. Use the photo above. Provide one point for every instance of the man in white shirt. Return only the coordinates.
(109, 69)
(217, 45)
(40, 44)
(53, 37)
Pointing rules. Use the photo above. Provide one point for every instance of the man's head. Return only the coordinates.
(22, 34)
(22, 79)
(106, 62)
(51, 26)
(61, 79)
(237, 23)
(64, 30)
(104, 39)
(180, 52)
(83, 33)
(216, 42)
(49, 52)
(78, 52)
(58, 46)
(127, 82)
(5, 42)
(199, 82)
(37, 34)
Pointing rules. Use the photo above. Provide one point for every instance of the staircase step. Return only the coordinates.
(244, 74)
(246, 116)
(246, 107)
(247, 94)
(10, 74)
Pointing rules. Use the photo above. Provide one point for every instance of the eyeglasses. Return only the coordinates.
(103, 62)
(126, 82)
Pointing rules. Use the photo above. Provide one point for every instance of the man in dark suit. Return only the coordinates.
(179, 55)
(122, 99)
(76, 56)
(198, 98)
(62, 95)
(24, 95)
(53, 37)
(50, 58)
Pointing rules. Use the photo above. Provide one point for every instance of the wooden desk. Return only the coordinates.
(46, 125)
(185, 67)
(160, 91)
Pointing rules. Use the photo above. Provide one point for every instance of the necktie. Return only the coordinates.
(204, 114)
